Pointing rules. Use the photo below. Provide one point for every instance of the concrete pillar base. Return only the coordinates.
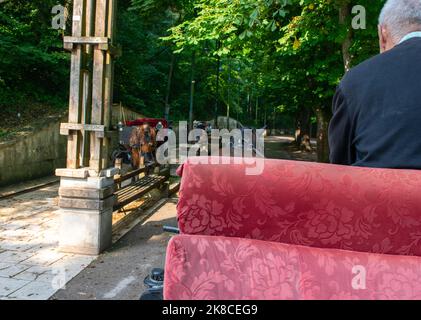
(85, 231)
(86, 209)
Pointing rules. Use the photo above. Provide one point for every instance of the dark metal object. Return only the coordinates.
(154, 284)
(171, 229)
(155, 281)
(151, 296)
(122, 153)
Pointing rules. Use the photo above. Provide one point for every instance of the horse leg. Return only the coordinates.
(135, 161)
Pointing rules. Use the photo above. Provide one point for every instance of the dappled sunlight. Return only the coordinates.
(24, 206)
(30, 263)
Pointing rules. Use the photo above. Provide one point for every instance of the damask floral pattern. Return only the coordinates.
(318, 205)
(208, 268)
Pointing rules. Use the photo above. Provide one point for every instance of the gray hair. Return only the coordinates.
(401, 16)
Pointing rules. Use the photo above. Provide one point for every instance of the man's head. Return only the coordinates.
(397, 19)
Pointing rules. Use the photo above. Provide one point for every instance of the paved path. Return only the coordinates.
(119, 272)
(30, 265)
(282, 147)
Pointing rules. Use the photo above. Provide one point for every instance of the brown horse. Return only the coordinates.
(143, 145)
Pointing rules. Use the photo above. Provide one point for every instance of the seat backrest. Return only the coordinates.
(313, 204)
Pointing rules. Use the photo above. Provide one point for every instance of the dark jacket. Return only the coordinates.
(377, 111)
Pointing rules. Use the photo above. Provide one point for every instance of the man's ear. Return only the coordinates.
(382, 38)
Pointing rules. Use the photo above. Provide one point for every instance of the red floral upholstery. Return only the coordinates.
(318, 205)
(207, 268)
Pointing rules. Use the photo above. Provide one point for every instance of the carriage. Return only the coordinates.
(128, 151)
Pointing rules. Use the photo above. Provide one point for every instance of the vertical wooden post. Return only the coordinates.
(109, 75)
(87, 82)
(97, 116)
(76, 89)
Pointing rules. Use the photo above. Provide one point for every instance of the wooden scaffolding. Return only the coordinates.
(91, 84)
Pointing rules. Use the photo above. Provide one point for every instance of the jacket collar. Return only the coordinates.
(416, 34)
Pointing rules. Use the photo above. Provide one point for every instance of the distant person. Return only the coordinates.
(377, 106)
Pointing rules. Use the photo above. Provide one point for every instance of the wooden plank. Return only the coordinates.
(75, 100)
(127, 190)
(72, 173)
(86, 40)
(86, 115)
(90, 25)
(66, 127)
(123, 192)
(130, 189)
(87, 80)
(123, 199)
(108, 85)
(129, 175)
(97, 115)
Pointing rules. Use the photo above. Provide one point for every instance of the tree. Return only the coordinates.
(298, 49)
(33, 65)
(263, 61)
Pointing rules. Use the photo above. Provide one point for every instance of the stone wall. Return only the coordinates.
(129, 115)
(33, 155)
(39, 152)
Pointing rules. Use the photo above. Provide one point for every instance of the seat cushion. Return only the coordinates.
(204, 267)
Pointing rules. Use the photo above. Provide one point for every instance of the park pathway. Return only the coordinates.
(30, 265)
(283, 147)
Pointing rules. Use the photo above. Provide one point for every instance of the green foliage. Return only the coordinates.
(33, 65)
(276, 57)
(292, 49)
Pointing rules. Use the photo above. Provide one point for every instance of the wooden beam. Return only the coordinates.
(108, 85)
(99, 130)
(65, 128)
(72, 173)
(75, 100)
(87, 82)
(98, 84)
(70, 42)
(129, 175)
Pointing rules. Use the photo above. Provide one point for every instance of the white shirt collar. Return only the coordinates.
(416, 34)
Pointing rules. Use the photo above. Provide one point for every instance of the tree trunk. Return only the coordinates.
(257, 111)
(322, 135)
(229, 93)
(344, 16)
(169, 86)
(302, 125)
(192, 83)
(218, 76)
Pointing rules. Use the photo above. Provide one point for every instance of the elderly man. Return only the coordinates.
(377, 107)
